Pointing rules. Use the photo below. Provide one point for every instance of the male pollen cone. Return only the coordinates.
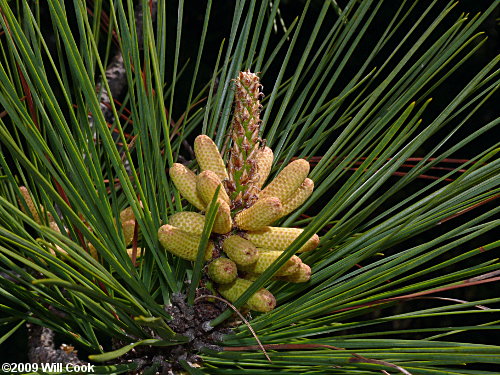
(298, 198)
(264, 212)
(222, 270)
(223, 222)
(301, 275)
(207, 184)
(208, 156)
(241, 251)
(31, 206)
(287, 181)
(127, 214)
(191, 222)
(264, 162)
(185, 181)
(128, 228)
(279, 238)
(262, 300)
(267, 257)
(181, 243)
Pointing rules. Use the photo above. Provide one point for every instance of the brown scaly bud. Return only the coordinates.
(222, 271)
(262, 300)
(245, 128)
(190, 222)
(181, 243)
(185, 181)
(264, 212)
(279, 238)
(287, 181)
(206, 185)
(241, 251)
(208, 156)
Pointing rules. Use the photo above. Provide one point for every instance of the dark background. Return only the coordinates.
(14, 350)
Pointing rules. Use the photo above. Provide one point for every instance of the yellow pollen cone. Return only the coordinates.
(298, 198)
(223, 222)
(185, 181)
(267, 257)
(264, 162)
(128, 231)
(264, 212)
(280, 238)
(287, 181)
(302, 275)
(251, 276)
(262, 300)
(127, 214)
(29, 202)
(190, 222)
(291, 267)
(208, 156)
(139, 253)
(222, 270)
(93, 251)
(182, 244)
(207, 183)
(241, 251)
(31, 207)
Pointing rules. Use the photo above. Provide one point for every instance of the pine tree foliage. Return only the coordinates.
(84, 183)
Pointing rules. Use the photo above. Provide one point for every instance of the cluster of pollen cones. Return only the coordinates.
(246, 210)
(243, 244)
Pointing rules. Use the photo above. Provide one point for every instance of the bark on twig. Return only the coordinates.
(41, 348)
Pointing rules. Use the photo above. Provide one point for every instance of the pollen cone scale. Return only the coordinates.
(181, 243)
(262, 300)
(208, 156)
(185, 181)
